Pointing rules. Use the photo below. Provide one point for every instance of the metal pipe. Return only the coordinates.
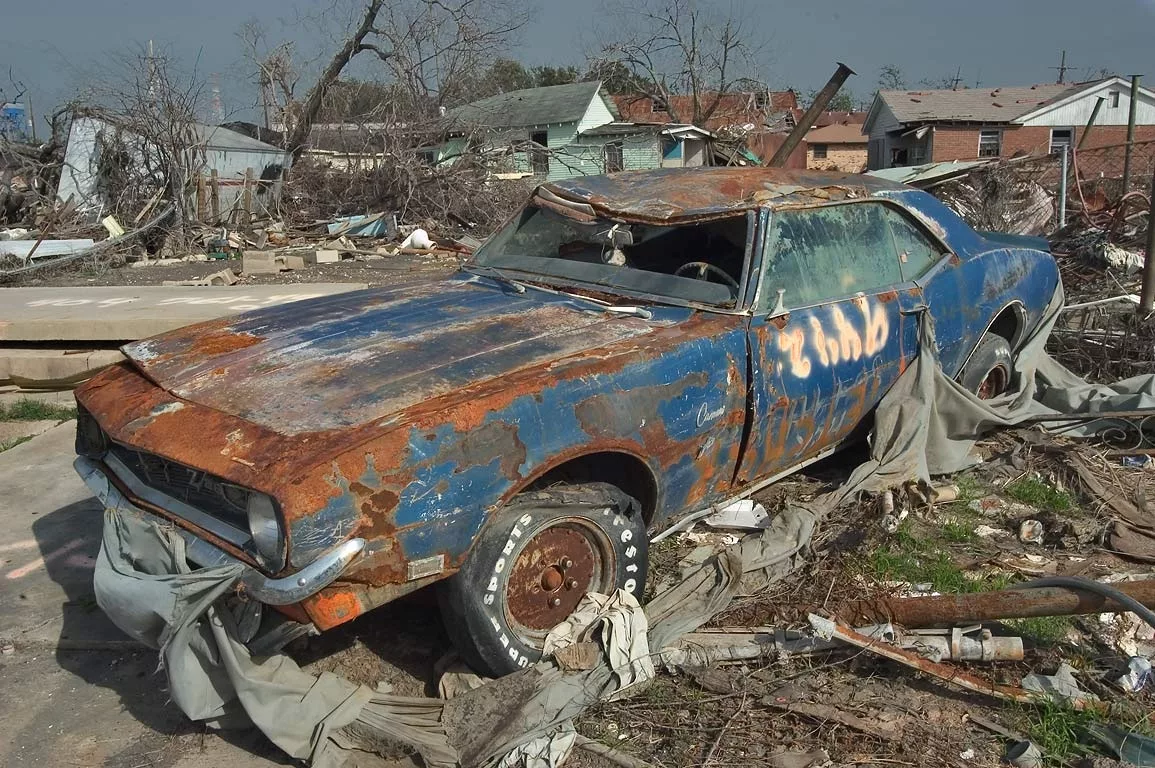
(991, 606)
(1090, 122)
(1130, 132)
(812, 112)
(1063, 188)
(1147, 294)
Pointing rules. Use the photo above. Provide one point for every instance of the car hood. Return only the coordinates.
(347, 360)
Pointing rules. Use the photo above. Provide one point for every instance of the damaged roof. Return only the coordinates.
(690, 193)
(983, 105)
(532, 106)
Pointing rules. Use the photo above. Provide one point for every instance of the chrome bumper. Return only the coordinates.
(284, 591)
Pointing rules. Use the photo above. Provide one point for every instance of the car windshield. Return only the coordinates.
(699, 262)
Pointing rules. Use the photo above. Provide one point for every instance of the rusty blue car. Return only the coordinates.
(626, 351)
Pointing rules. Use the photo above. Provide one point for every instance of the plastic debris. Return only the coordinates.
(1139, 674)
(1031, 532)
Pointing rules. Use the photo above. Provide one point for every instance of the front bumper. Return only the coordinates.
(272, 591)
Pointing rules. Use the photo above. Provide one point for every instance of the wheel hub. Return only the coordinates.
(994, 383)
(551, 575)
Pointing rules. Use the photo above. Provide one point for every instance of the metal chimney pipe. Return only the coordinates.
(812, 112)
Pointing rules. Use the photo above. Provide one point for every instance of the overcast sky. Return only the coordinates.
(54, 45)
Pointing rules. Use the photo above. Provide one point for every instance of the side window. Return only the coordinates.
(916, 252)
(822, 253)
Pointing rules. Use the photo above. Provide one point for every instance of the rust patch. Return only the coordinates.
(220, 342)
(331, 607)
(887, 296)
(780, 321)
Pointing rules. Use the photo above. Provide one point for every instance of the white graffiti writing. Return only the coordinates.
(844, 342)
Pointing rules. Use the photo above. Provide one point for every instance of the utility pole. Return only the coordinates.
(956, 80)
(1062, 67)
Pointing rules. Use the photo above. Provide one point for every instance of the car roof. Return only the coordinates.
(680, 194)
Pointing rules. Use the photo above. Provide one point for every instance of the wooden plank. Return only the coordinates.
(215, 196)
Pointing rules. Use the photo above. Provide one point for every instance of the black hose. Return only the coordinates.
(1090, 585)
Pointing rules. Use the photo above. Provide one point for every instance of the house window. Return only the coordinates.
(613, 158)
(1113, 99)
(656, 106)
(1060, 140)
(539, 154)
(990, 143)
(761, 100)
(916, 154)
(819, 151)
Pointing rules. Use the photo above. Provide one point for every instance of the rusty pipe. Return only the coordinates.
(992, 606)
(812, 112)
(1090, 122)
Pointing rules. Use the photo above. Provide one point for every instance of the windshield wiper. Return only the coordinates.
(498, 275)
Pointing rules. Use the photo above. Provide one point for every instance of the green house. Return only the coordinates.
(562, 131)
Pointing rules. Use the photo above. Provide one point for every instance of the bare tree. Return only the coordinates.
(430, 51)
(276, 74)
(890, 78)
(147, 149)
(681, 47)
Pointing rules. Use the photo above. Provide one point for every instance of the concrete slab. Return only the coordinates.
(11, 394)
(127, 313)
(109, 709)
(49, 536)
(10, 431)
(53, 367)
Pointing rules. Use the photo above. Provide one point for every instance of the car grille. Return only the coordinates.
(200, 490)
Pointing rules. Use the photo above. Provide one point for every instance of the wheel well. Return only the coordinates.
(1007, 324)
(621, 469)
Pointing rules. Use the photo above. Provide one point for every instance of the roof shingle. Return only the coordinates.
(983, 105)
(530, 106)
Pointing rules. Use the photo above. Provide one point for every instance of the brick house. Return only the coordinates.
(837, 145)
(915, 127)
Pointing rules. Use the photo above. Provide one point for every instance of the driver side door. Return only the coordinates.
(826, 336)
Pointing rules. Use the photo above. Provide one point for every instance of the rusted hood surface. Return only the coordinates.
(347, 360)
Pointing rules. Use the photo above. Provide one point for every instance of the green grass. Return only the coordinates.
(1042, 630)
(1039, 494)
(34, 410)
(1057, 729)
(958, 531)
(919, 561)
(6, 444)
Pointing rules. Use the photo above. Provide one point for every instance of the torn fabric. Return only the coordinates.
(143, 583)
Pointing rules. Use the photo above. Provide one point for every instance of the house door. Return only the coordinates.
(826, 336)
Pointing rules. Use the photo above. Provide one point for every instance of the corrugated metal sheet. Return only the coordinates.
(918, 175)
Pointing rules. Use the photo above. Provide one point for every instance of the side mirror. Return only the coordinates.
(779, 306)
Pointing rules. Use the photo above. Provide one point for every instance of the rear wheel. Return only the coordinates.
(531, 566)
(988, 372)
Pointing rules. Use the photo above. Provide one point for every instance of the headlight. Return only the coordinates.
(264, 528)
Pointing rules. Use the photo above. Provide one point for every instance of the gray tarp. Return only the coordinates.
(926, 425)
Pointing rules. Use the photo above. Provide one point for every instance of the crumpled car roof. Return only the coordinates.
(680, 194)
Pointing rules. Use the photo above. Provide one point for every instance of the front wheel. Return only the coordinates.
(988, 372)
(532, 565)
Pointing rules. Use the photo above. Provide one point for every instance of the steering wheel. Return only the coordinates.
(705, 268)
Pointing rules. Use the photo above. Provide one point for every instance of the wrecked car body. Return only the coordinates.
(629, 350)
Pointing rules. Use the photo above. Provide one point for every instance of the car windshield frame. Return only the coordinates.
(638, 284)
